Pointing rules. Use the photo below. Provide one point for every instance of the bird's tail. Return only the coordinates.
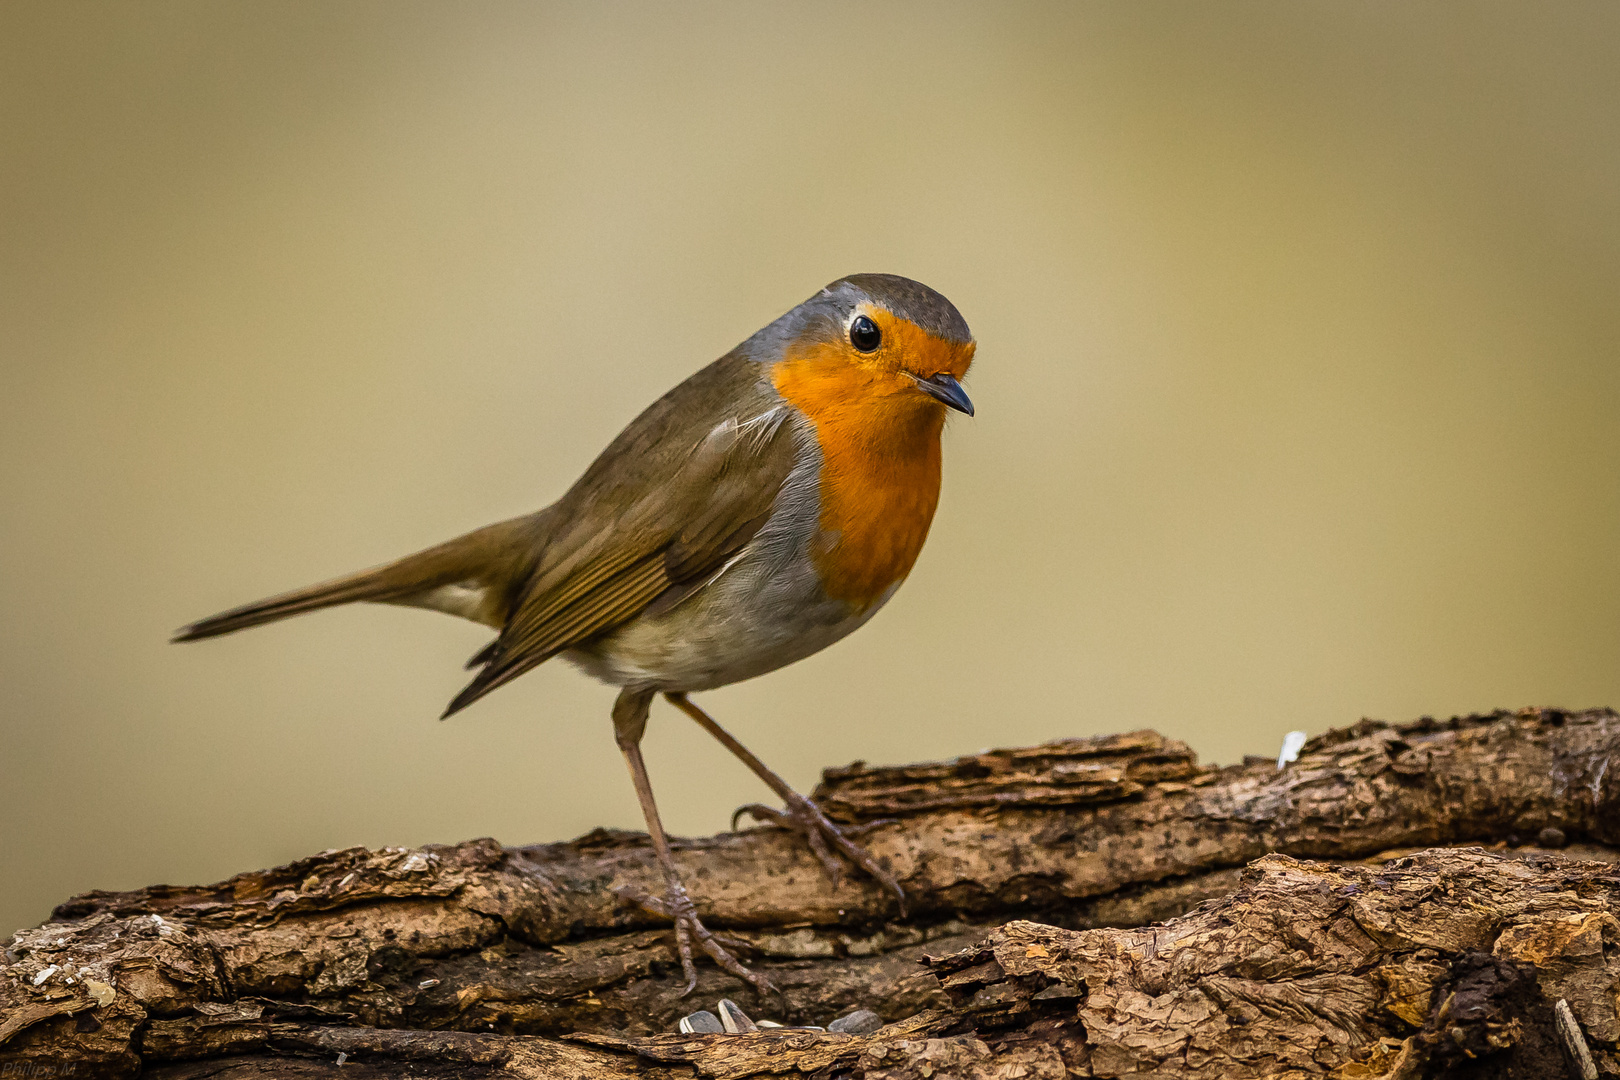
(487, 557)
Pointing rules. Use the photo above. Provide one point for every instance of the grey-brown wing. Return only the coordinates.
(660, 546)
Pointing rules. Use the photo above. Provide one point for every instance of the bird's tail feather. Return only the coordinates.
(488, 555)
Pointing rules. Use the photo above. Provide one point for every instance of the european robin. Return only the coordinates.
(756, 513)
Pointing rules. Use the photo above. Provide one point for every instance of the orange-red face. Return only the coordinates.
(883, 372)
(904, 350)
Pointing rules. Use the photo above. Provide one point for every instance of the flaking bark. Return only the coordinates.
(474, 960)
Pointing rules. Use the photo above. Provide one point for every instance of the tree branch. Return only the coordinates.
(472, 959)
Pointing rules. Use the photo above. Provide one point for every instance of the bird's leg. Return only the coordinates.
(802, 814)
(629, 721)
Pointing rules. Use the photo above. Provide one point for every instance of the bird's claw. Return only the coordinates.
(677, 906)
(806, 818)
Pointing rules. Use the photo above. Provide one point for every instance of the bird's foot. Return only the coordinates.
(805, 817)
(677, 906)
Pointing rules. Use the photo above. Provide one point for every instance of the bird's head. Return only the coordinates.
(876, 347)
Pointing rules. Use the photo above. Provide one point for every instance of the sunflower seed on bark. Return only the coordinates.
(702, 1022)
(859, 1022)
(733, 1019)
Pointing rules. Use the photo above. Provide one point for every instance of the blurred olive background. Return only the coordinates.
(1298, 371)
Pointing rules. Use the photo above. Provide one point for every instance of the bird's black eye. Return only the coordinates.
(864, 334)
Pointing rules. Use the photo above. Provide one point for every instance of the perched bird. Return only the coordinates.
(756, 513)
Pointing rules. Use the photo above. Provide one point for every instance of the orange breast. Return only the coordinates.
(880, 471)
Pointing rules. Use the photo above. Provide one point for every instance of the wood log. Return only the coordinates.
(478, 960)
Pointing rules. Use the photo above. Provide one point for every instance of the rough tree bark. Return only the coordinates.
(1033, 875)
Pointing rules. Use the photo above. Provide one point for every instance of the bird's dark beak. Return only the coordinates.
(945, 388)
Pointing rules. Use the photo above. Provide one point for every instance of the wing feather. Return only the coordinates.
(670, 523)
